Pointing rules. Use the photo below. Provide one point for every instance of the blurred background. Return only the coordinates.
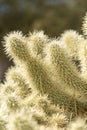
(52, 16)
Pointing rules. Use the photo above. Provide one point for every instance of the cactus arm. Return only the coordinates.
(66, 72)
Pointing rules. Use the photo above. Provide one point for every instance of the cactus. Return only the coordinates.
(45, 90)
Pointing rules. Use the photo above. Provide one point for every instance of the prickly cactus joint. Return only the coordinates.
(45, 90)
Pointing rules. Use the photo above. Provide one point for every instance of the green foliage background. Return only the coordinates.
(29, 15)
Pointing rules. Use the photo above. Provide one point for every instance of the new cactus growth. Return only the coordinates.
(45, 90)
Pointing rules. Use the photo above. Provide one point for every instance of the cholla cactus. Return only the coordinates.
(45, 90)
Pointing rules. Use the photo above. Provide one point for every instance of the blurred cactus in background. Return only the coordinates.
(45, 90)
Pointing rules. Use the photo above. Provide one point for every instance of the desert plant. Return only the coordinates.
(45, 90)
